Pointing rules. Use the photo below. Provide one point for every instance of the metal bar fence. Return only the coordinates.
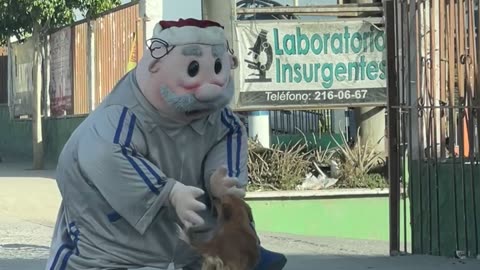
(434, 103)
(296, 122)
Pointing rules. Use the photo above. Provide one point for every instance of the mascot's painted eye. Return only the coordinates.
(218, 66)
(193, 68)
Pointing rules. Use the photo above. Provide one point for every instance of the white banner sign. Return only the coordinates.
(297, 64)
(61, 72)
(21, 77)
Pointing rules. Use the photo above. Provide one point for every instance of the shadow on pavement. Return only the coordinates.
(351, 262)
(319, 262)
(24, 170)
(22, 264)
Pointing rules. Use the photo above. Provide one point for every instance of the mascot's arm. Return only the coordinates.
(231, 150)
(110, 156)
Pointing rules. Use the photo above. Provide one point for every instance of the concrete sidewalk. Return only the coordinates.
(28, 194)
(28, 206)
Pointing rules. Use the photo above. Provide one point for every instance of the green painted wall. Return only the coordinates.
(446, 212)
(56, 133)
(354, 218)
(16, 136)
(324, 141)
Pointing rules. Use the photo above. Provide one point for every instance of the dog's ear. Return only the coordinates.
(227, 211)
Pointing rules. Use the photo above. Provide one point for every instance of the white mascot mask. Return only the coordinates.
(187, 68)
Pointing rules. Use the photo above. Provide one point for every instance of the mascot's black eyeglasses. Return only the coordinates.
(159, 48)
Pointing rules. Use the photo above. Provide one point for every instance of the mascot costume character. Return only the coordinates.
(143, 161)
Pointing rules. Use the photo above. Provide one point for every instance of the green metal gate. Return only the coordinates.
(434, 125)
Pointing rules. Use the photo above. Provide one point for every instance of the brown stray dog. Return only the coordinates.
(234, 243)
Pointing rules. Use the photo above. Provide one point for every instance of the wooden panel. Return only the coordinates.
(80, 96)
(114, 36)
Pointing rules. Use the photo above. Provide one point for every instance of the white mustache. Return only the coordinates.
(208, 93)
(212, 97)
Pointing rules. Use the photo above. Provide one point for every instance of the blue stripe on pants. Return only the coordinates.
(65, 259)
(76, 233)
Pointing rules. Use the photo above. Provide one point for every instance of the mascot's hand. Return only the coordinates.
(221, 184)
(183, 199)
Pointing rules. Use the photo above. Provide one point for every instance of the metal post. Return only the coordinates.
(224, 12)
(151, 12)
(221, 11)
(91, 64)
(393, 152)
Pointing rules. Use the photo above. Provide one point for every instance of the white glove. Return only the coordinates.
(183, 199)
(221, 184)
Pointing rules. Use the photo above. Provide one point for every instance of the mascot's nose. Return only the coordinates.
(209, 92)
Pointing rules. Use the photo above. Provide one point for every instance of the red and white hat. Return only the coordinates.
(190, 31)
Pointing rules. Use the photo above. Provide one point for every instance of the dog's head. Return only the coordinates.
(234, 243)
(233, 210)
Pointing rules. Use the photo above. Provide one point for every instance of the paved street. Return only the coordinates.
(29, 201)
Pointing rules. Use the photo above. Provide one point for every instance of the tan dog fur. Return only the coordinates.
(234, 244)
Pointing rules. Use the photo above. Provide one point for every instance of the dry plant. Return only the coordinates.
(356, 162)
(318, 156)
(276, 169)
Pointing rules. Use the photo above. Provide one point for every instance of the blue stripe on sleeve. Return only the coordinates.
(140, 172)
(116, 139)
(131, 127)
(114, 216)
(239, 141)
(128, 140)
(160, 180)
(239, 148)
(229, 144)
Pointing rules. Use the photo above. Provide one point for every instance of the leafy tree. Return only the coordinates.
(19, 18)
(92, 8)
(33, 18)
